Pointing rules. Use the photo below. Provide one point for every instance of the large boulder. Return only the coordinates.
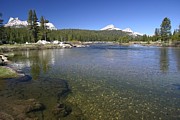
(43, 42)
(65, 45)
(3, 60)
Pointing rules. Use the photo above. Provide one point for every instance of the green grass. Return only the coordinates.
(7, 73)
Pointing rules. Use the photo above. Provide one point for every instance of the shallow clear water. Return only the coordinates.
(106, 81)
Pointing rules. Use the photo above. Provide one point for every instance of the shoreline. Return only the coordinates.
(33, 46)
(18, 47)
(156, 44)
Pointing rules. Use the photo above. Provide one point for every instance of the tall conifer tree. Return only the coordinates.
(1, 29)
(30, 26)
(30, 19)
(42, 23)
(42, 28)
(1, 20)
(166, 29)
(157, 33)
(35, 26)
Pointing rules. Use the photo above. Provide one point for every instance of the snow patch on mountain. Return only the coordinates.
(15, 22)
(110, 27)
(136, 33)
(51, 26)
(127, 30)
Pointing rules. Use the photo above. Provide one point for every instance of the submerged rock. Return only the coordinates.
(52, 95)
(20, 109)
(5, 116)
(34, 106)
(67, 111)
(21, 79)
(24, 78)
(61, 110)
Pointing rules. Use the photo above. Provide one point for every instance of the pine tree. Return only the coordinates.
(43, 28)
(1, 28)
(157, 34)
(35, 26)
(42, 23)
(1, 20)
(178, 33)
(30, 20)
(175, 32)
(166, 29)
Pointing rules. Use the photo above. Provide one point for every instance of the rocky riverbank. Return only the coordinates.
(6, 72)
(157, 44)
(18, 47)
(39, 46)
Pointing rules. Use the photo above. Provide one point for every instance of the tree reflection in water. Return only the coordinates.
(40, 63)
(164, 60)
(177, 57)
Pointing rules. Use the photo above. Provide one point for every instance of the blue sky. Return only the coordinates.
(140, 15)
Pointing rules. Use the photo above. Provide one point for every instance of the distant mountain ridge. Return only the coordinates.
(15, 22)
(127, 30)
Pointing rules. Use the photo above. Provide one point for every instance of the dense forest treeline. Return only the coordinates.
(22, 35)
(32, 33)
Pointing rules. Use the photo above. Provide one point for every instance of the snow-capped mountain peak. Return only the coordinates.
(128, 30)
(51, 26)
(110, 27)
(15, 22)
(136, 33)
(11, 19)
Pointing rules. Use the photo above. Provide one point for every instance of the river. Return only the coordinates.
(106, 82)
